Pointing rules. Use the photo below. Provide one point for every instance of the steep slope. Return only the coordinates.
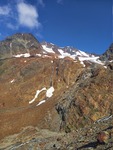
(23, 82)
(49, 87)
(88, 100)
(82, 109)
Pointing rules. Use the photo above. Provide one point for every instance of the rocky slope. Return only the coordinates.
(82, 139)
(108, 55)
(53, 89)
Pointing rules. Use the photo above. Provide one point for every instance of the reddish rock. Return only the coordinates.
(103, 137)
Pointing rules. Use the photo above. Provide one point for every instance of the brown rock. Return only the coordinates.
(103, 137)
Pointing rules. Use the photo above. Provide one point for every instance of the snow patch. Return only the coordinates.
(49, 50)
(91, 59)
(41, 102)
(83, 53)
(77, 53)
(105, 67)
(82, 63)
(36, 95)
(44, 52)
(46, 56)
(10, 45)
(38, 55)
(50, 91)
(22, 55)
(12, 81)
(63, 54)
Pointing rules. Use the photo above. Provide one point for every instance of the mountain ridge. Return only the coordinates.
(26, 45)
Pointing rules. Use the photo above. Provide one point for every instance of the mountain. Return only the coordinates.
(108, 55)
(26, 45)
(19, 45)
(72, 53)
(53, 97)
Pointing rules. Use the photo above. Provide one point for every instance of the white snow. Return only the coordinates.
(83, 53)
(12, 81)
(105, 67)
(82, 63)
(41, 102)
(63, 55)
(49, 92)
(91, 59)
(46, 56)
(77, 53)
(111, 61)
(38, 55)
(49, 50)
(36, 95)
(22, 55)
(44, 52)
(10, 45)
(82, 56)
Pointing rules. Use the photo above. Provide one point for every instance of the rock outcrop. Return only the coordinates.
(108, 55)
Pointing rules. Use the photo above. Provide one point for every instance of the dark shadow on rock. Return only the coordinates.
(109, 128)
(91, 144)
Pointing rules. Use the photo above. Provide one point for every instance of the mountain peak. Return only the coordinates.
(19, 43)
(25, 36)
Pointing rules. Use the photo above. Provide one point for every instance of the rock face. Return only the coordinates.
(19, 44)
(53, 92)
(81, 103)
(108, 55)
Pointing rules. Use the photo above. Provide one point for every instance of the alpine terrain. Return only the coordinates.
(54, 98)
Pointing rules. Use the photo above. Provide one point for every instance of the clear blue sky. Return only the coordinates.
(84, 24)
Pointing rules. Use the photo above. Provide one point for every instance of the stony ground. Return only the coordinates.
(32, 138)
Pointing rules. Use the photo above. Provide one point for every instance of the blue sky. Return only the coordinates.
(83, 24)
